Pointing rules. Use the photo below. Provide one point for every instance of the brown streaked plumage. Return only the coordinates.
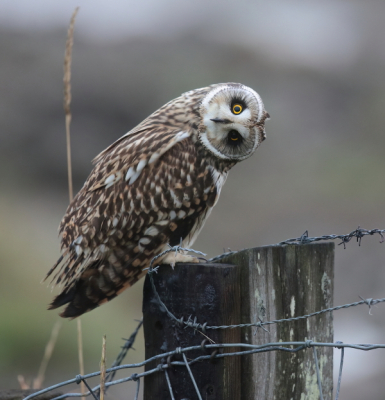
(154, 186)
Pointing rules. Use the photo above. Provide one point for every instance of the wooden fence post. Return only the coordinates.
(210, 292)
(263, 284)
(283, 282)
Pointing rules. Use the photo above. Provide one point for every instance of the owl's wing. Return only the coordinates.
(122, 162)
(144, 192)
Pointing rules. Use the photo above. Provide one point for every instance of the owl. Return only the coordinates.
(151, 189)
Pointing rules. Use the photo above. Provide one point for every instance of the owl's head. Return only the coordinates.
(232, 121)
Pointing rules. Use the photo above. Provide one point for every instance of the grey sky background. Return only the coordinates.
(320, 35)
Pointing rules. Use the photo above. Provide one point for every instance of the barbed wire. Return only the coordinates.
(192, 322)
(358, 233)
(252, 349)
(291, 347)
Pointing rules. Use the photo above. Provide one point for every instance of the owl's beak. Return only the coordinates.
(222, 121)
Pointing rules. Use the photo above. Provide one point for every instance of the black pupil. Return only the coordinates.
(237, 109)
(234, 135)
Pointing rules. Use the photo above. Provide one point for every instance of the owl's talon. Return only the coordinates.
(172, 259)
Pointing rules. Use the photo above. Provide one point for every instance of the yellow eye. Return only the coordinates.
(237, 108)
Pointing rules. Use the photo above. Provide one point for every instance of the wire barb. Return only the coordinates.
(369, 302)
(192, 323)
(358, 233)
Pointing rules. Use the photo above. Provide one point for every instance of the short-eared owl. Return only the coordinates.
(154, 186)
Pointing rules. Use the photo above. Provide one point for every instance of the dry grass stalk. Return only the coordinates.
(67, 95)
(68, 118)
(103, 369)
(80, 353)
(23, 384)
(38, 381)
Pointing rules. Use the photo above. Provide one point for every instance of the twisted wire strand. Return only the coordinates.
(274, 346)
(249, 349)
(358, 233)
(192, 322)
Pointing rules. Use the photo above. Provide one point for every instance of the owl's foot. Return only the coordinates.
(173, 258)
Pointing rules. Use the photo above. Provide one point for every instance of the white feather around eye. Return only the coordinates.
(206, 142)
(261, 108)
(219, 120)
(206, 101)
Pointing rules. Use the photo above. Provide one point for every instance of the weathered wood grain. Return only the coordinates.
(210, 292)
(283, 282)
(265, 283)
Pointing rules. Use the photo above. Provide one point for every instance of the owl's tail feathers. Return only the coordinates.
(66, 296)
(99, 283)
(77, 300)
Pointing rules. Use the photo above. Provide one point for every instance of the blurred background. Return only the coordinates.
(319, 67)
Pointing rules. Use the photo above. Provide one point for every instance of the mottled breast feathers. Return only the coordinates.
(153, 187)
